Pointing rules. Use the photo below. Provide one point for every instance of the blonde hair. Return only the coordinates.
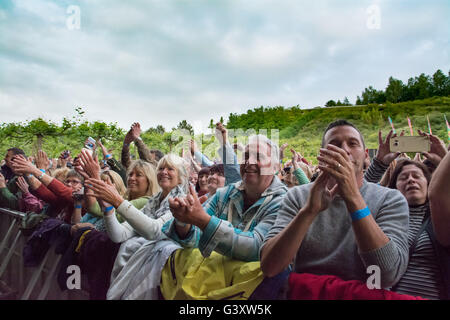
(60, 174)
(116, 179)
(149, 172)
(173, 161)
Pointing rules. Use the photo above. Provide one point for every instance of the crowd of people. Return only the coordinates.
(252, 227)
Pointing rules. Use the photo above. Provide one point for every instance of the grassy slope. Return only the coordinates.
(305, 133)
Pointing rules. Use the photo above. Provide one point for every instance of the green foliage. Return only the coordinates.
(304, 132)
(39, 134)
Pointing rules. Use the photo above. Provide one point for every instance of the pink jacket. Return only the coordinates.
(29, 202)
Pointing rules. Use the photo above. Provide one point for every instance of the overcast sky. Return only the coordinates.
(159, 62)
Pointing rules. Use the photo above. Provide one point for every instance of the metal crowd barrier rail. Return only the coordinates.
(29, 283)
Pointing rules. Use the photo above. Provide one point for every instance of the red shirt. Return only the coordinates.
(59, 196)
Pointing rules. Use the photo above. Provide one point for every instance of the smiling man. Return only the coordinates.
(340, 224)
(235, 221)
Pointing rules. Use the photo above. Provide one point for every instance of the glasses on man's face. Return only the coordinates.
(72, 182)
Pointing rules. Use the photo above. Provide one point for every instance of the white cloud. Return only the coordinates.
(160, 62)
(256, 52)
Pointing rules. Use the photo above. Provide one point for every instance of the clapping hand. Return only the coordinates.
(336, 162)
(189, 209)
(22, 165)
(320, 196)
(133, 133)
(41, 160)
(89, 164)
(104, 191)
(23, 185)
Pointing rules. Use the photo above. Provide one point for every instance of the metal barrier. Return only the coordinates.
(29, 283)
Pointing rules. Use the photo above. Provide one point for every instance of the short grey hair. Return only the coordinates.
(174, 161)
(274, 149)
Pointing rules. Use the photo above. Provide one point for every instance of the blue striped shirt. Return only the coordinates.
(242, 237)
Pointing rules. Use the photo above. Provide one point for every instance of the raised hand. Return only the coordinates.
(295, 158)
(133, 133)
(2, 181)
(104, 191)
(192, 146)
(63, 159)
(384, 153)
(90, 165)
(437, 149)
(104, 151)
(78, 167)
(23, 185)
(221, 133)
(22, 166)
(282, 148)
(41, 160)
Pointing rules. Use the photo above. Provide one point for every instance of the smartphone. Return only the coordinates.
(410, 144)
(78, 195)
(90, 143)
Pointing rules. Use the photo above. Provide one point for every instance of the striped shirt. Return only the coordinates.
(422, 277)
(375, 171)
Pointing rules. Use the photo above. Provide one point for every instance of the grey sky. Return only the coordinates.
(159, 62)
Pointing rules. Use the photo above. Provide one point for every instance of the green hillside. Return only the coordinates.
(303, 129)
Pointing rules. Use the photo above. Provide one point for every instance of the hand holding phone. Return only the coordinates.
(410, 144)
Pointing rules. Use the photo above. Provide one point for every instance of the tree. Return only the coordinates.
(330, 103)
(346, 102)
(358, 101)
(410, 90)
(371, 95)
(158, 130)
(424, 87)
(186, 126)
(394, 90)
(441, 84)
(35, 131)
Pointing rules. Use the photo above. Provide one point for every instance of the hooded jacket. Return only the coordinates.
(7, 172)
(232, 231)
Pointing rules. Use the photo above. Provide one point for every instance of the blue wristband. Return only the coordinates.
(42, 170)
(359, 214)
(108, 156)
(77, 207)
(107, 209)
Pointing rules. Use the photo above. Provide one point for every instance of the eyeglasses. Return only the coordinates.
(72, 182)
